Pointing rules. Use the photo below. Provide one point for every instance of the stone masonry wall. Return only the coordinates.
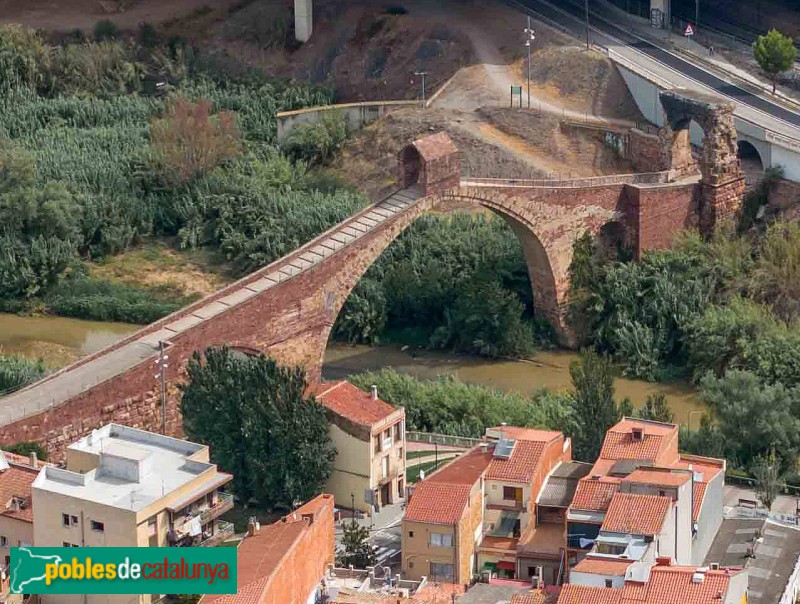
(644, 151)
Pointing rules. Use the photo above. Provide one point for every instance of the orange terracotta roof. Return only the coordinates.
(583, 594)
(350, 402)
(437, 502)
(594, 495)
(699, 494)
(22, 460)
(504, 543)
(522, 464)
(658, 476)
(671, 584)
(636, 514)
(16, 481)
(707, 467)
(655, 442)
(536, 596)
(466, 469)
(602, 566)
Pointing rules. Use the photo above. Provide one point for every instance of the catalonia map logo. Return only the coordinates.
(123, 570)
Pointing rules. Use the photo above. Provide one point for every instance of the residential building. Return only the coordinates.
(521, 537)
(370, 441)
(126, 487)
(17, 474)
(444, 520)
(285, 562)
(663, 503)
(480, 512)
(665, 583)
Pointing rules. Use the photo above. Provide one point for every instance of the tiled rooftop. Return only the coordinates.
(594, 495)
(654, 443)
(602, 566)
(583, 594)
(16, 481)
(437, 502)
(352, 403)
(636, 514)
(664, 477)
(673, 584)
(522, 464)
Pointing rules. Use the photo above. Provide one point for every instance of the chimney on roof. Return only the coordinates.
(637, 433)
(34, 460)
(714, 566)
(374, 392)
(484, 447)
(663, 561)
(253, 526)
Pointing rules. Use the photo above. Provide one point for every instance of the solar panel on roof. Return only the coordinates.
(504, 447)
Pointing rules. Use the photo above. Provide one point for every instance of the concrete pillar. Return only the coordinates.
(303, 19)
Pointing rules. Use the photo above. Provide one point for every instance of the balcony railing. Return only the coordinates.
(224, 503)
(224, 531)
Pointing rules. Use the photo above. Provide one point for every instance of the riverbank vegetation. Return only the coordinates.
(723, 312)
(17, 371)
(96, 159)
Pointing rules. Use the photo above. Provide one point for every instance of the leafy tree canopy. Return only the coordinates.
(775, 53)
(259, 425)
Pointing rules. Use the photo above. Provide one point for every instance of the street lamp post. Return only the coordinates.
(423, 74)
(529, 38)
(588, 45)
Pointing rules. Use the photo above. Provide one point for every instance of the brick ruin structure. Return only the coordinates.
(721, 180)
(288, 308)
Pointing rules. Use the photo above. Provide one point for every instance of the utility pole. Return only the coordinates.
(588, 43)
(423, 74)
(162, 376)
(529, 38)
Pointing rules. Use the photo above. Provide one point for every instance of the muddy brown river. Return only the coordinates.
(59, 341)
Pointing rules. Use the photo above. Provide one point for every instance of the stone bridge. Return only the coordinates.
(288, 308)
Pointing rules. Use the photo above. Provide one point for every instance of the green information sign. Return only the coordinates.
(123, 570)
(516, 90)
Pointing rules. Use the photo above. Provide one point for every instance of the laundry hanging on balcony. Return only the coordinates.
(195, 528)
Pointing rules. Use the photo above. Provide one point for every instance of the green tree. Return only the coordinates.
(17, 371)
(754, 417)
(767, 472)
(594, 407)
(259, 424)
(363, 317)
(656, 408)
(774, 53)
(356, 549)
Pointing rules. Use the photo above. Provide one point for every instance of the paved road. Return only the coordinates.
(570, 17)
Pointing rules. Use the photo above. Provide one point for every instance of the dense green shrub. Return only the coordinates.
(98, 69)
(744, 335)
(449, 406)
(105, 29)
(457, 281)
(25, 448)
(23, 58)
(17, 371)
(105, 301)
(318, 142)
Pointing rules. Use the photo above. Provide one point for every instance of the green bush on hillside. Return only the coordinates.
(17, 371)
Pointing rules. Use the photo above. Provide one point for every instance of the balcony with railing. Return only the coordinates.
(223, 531)
(206, 513)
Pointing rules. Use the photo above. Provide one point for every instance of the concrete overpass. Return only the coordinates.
(647, 68)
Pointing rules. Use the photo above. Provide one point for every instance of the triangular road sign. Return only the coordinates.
(689, 30)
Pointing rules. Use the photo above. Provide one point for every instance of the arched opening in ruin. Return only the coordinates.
(410, 165)
(537, 291)
(750, 162)
(686, 146)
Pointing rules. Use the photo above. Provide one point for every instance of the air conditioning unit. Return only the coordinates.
(698, 577)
